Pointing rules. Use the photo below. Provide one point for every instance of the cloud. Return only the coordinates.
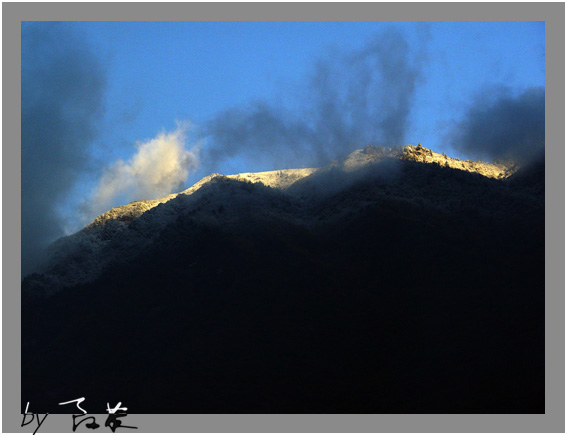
(350, 100)
(259, 131)
(500, 125)
(159, 166)
(63, 85)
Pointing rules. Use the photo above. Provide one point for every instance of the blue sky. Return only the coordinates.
(127, 82)
(159, 72)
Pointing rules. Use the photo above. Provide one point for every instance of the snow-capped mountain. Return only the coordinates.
(391, 281)
(283, 179)
(123, 232)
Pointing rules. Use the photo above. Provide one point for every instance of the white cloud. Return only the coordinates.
(159, 166)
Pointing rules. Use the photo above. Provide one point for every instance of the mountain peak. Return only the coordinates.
(283, 178)
(295, 194)
(424, 155)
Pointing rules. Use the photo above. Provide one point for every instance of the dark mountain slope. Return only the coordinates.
(417, 292)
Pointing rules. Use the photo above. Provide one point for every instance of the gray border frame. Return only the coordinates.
(554, 16)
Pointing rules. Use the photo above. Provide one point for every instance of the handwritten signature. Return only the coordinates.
(113, 420)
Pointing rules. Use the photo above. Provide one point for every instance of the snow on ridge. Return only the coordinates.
(285, 178)
(279, 179)
(124, 231)
(425, 155)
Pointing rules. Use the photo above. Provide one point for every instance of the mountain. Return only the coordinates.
(394, 280)
(82, 257)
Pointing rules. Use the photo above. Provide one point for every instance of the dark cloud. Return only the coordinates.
(62, 97)
(500, 125)
(350, 100)
(260, 131)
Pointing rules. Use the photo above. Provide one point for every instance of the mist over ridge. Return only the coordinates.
(348, 99)
(399, 173)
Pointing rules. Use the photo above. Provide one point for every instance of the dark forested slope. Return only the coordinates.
(395, 287)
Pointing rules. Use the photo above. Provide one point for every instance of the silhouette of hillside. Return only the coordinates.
(389, 287)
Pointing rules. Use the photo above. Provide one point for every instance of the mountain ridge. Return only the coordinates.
(82, 256)
(284, 178)
(385, 287)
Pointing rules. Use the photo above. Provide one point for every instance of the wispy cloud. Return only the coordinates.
(350, 100)
(159, 166)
